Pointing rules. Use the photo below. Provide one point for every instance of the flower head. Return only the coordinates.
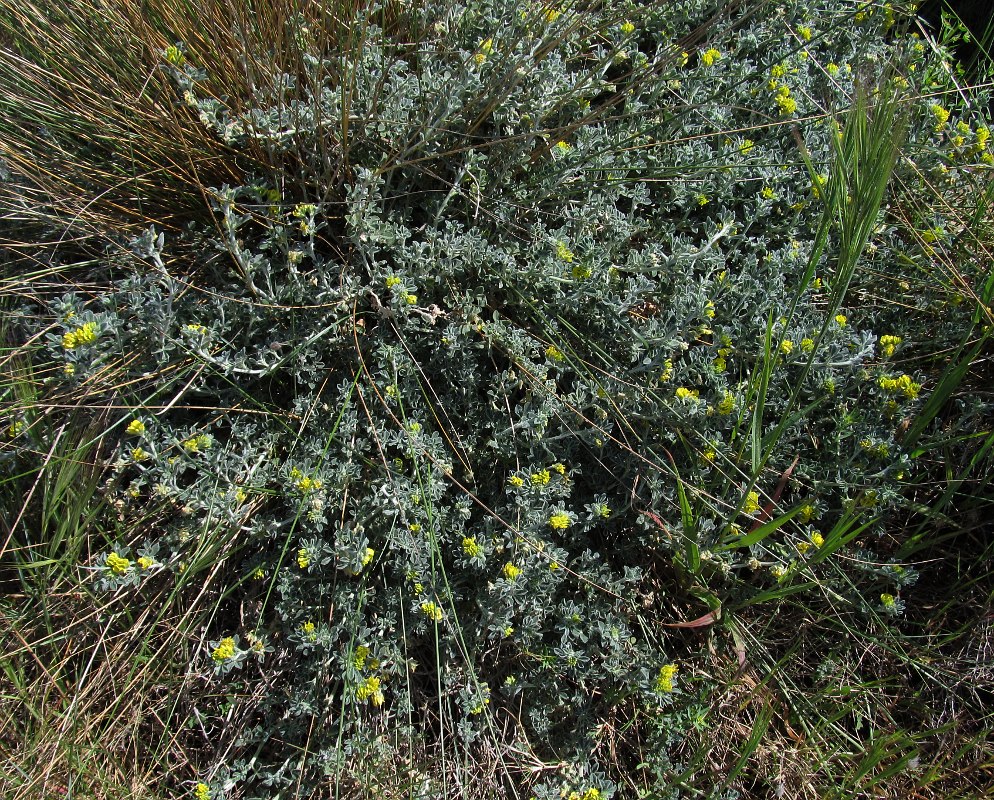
(118, 564)
(559, 521)
(708, 57)
(665, 680)
(224, 651)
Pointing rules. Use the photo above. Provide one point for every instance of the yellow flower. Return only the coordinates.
(627, 28)
(665, 679)
(768, 193)
(146, 563)
(83, 335)
(540, 478)
(303, 558)
(559, 522)
(516, 481)
(786, 347)
(391, 281)
(941, 116)
(471, 548)
(563, 252)
(727, 404)
(752, 503)
(683, 393)
(551, 15)
(368, 555)
(411, 299)
(225, 650)
(309, 629)
(805, 32)
(138, 454)
(807, 345)
(432, 610)
(553, 353)
(136, 427)
(201, 791)
(841, 320)
(118, 564)
(817, 539)
(888, 344)
(370, 690)
(197, 443)
(832, 69)
(887, 600)
(510, 571)
(708, 57)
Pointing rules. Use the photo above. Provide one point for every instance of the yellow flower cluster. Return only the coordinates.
(563, 252)
(590, 794)
(83, 335)
(888, 344)
(553, 353)
(903, 384)
(225, 650)
(627, 28)
(541, 478)
(786, 103)
(136, 427)
(303, 558)
(485, 49)
(201, 791)
(432, 610)
(304, 483)
(516, 481)
(708, 57)
(511, 571)
(310, 631)
(370, 690)
(727, 404)
(197, 443)
(751, 503)
(559, 522)
(391, 281)
(683, 393)
(941, 116)
(666, 678)
(805, 32)
(471, 548)
(786, 347)
(118, 564)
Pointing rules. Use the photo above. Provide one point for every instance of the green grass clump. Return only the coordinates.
(547, 401)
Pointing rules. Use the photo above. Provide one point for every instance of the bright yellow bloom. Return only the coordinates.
(665, 680)
(817, 539)
(83, 335)
(303, 558)
(752, 503)
(432, 610)
(225, 650)
(683, 393)
(516, 481)
(118, 564)
(563, 252)
(559, 521)
(888, 344)
(541, 478)
(136, 427)
(138, 454)
(708, 57)
(841, 320)
(511, 571)
(471, 548)
(805, 32)
(201, 791)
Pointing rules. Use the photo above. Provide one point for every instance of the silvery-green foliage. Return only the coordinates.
(444, 381)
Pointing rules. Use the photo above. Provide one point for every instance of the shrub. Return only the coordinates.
(526, 335)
